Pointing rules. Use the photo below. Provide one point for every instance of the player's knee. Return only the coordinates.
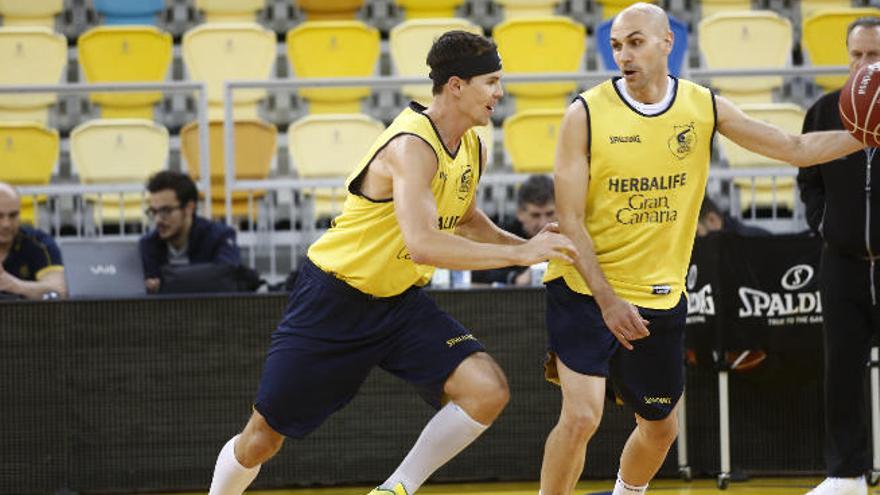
(258, 443)
(662, 432)
(492, 394)
(581, 423)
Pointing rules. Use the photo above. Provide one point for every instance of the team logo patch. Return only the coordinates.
(683, 140)
(465, 183)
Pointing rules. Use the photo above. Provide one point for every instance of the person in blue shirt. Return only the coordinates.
(180, 237)
(30, 262)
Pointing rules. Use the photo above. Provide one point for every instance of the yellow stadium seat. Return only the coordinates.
(410, 42)
(330, 10)
(230, 10)
(420, 9)
(736, 40)
(824, 34)
(30, 56)
(530, 139)
(113, 151)
(787, 116)
(215, 53)
(30, 12)
(255, 143)
(712, 7)
(28, 154)
(333, 49)
(527, 8)
(611, 8)
(810, 7)
(125, 54)
(541, 44)
(330, 145)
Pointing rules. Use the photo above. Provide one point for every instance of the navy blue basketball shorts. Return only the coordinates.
(332, 335)
(650, 378)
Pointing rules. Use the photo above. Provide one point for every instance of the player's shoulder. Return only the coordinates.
(35, 237)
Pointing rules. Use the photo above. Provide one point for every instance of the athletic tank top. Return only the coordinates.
(364, 246)
(647, 180)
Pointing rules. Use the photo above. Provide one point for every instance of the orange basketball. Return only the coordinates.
(860, 105)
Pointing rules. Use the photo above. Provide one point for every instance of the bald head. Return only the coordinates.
(7, 192)
(10, 204)
(649, 17)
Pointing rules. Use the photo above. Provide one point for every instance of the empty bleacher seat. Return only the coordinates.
(676, 56)
(824, 40)
(415, 9)
(230, 10)
(530, 139)
(30, 12)
(787, 116)
(255, 143)
(410, 42)
(32, 55)
(746, 40)
(125, 54)
(129, 11)
(712, 7)
(330, 145)
(611, 8)
(113, 151)
(333, 49)
(28, 154)
(810, 7)
(330, 10)
(527, 8)
(215, 53)
(541, 44)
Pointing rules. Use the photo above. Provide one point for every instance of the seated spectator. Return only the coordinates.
(31, 262)
(179, 236)
(535, 208)
(712, 219)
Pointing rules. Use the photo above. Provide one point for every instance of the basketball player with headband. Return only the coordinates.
(358, 303)
(631, 168)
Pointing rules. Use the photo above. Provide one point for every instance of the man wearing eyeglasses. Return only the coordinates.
(179, 237)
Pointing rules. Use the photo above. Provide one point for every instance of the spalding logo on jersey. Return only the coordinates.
(683, 140)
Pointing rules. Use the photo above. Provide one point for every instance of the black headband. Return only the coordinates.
(467, 68)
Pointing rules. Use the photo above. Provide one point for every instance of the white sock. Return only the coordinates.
(622, 488)
(230, 477)
(447, 434)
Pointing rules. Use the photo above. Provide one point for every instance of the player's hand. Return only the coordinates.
(152, 285)
(547, 245)
(624, 321)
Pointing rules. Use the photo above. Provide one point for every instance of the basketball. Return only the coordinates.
(860, 105)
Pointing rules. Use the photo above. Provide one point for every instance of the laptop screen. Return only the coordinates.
(103, 269)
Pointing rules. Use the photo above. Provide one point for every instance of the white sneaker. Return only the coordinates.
(841, 486)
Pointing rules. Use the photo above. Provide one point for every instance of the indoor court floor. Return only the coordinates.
(767, 486)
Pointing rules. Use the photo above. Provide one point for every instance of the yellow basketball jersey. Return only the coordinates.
(364, 246)
(647, 179)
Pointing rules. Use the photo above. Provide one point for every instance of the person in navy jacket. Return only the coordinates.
(179, 236)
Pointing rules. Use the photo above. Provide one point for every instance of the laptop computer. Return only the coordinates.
(108, 269)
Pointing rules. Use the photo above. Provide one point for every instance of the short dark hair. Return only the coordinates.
(182, 185)
(867, 22)
(536, 190)
(708, 207)
(454, 45)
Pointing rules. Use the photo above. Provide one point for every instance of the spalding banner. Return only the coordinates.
(756, 293)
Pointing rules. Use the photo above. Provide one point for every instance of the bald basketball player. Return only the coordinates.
(631, 169)
(358, 304)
